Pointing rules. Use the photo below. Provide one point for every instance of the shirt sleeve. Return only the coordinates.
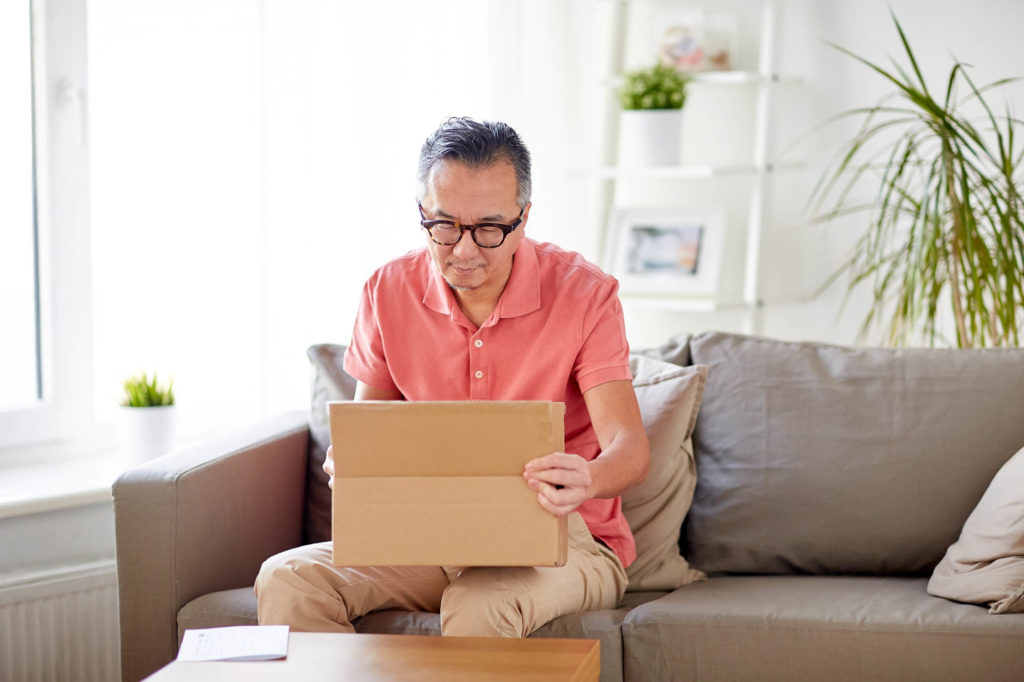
(604, 354)
(365, 358)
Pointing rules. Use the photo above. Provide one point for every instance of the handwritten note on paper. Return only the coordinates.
(238, 643)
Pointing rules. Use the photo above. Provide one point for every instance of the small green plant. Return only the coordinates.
(655, 87)
(142, 390)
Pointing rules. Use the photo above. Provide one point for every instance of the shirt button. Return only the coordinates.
(478, 374)
(478, 343)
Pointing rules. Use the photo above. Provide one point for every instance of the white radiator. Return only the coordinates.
(60, 626)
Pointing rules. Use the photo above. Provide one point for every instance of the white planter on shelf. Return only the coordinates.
(650, 137)
(145, 432)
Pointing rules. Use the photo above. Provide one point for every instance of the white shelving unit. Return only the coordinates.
(757, 172)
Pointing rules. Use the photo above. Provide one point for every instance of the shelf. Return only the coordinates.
(684, 171)
(704, 304)
(745, 174)
(721, 78)
(694, 304)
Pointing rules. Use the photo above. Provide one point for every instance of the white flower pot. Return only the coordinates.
(650, 137)
(145, 432)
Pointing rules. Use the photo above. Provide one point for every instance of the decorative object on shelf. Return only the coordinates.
(652, 120)
(146, 418)
(666, 252)
(693, 40)
(946, 219)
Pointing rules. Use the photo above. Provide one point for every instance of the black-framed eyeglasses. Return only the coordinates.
(486, 235)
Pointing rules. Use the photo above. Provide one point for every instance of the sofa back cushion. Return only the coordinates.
(329, 381)
(824, 459)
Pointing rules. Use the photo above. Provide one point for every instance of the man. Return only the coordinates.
(484, 313)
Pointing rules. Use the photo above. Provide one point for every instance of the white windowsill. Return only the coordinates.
(71, 474)
(57, 485)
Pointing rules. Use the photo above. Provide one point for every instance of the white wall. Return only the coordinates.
(253, 162)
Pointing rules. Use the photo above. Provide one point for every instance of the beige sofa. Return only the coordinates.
(830, 481)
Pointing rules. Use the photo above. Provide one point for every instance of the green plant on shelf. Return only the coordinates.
(654, 87)
(142, 390)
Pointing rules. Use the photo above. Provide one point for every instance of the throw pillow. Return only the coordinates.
(669, 398)
(676, 350)
(986, 565)
(329, 382)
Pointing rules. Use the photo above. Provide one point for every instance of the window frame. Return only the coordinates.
(64, 410)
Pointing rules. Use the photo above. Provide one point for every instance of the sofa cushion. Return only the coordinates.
(837, 628)
(669, 398)
(329, 382)
(676, 350)
(826, 459)
(218, 609)
(986, 565)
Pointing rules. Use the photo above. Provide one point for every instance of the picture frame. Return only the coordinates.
(693, 41)
(666, 252)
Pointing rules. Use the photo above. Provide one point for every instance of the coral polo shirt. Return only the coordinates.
(556, 332)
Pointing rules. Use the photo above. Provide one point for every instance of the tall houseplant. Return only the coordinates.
(652, 100)
(945, 225)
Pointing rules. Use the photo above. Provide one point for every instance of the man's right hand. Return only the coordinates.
(329, 466)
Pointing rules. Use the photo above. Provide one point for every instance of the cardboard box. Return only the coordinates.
(441, 483)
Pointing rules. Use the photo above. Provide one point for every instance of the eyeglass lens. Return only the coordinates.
(484, 235)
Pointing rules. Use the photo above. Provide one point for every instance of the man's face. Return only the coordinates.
(472, 195)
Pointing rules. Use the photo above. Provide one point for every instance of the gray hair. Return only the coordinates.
(476, 144)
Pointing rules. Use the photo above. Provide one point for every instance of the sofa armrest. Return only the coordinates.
(202, 520)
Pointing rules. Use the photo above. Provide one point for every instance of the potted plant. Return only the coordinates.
(945, 229)
(652, 100)
(146, 426)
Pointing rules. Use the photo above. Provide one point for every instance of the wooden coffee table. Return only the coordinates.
(321, 656)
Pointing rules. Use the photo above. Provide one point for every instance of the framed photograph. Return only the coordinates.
(666, 252)
(694, 40)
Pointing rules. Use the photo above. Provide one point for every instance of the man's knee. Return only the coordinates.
(279, 569)
(293, 588)
(474, 608)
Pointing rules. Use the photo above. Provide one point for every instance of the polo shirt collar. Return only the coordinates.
(521, 294)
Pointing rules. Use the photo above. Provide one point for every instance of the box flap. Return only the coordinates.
(454, 438)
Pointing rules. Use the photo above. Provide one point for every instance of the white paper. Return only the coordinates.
(238, 643)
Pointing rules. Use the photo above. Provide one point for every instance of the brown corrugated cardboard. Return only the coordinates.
(440, 483)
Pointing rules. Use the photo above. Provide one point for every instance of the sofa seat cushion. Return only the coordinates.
(817, 628)
(218, 609)
(823, 459)
(238, 607)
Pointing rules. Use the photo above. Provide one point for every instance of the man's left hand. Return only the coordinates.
(562, 481)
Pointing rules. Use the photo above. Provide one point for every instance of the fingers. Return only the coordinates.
(558, 501)
(562, 481)
(329, 466)
(559, 469)
(555, 460)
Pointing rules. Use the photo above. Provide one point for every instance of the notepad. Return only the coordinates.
(236, 643)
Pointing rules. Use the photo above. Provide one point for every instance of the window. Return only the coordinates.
(45, 371)
(19, 357)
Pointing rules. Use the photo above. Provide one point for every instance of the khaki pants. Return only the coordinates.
(302, 589)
